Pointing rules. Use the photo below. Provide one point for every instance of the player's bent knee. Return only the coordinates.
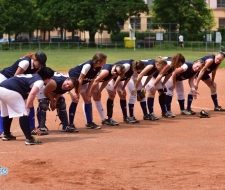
(43, 104)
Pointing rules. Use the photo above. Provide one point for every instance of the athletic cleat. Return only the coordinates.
(8, 137)
(219, 108)
(43, 128)
(32, 141)
(192, 112)
(185, 112)
(68, 129)
(110, 122)
(92, 125)
(129, 120)
(146, 117)
(171, 114)
(75, 129)
(166, 115)
(136, 121)
(37, 131)
(154, 116)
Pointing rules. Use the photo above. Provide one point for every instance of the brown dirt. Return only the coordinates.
(181, 153)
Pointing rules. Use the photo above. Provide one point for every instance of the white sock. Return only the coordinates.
(99, 107)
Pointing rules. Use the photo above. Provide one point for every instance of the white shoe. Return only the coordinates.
(185, 112)
(171, 114)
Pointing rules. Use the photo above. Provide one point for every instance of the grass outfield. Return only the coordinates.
(64, 60)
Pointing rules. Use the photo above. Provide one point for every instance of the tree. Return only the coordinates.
(190, 15)
(99, 15)
(17, 16)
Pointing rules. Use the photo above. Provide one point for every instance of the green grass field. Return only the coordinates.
(64, 60)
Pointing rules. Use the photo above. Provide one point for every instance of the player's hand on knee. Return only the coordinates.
(153, 89)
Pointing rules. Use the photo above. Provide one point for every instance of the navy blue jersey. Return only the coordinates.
(212, 67)
(21, 83)
(129, 73)
(91, 74)
(9, 72)
(107, 67)
(150, 62)
(186, 74)
(59, 79)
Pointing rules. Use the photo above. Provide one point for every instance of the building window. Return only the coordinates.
(135, 22)
(220, 3)
(221, 22)
(149, 25)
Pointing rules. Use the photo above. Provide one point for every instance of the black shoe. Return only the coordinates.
(75, 129)
(32, 141)
(136, 121)
(153, 117)
(43, 128)
(191, 111)
(92, 125)
(68, 128)
(129, 120)
(146, 117)
(110, 122)
(219, 108)
(37, 131)
(166, 115)
(8, 137)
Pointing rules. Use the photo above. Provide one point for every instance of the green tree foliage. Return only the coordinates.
(190, 15)
(17, 16)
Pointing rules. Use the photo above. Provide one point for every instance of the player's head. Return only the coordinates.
(46, 73)
(160, 63)
(138, 66)
(99, 59)
(70, 83)
(41, 58)
(118, 69)
(219, 57)
(177, 60)
(198, 65)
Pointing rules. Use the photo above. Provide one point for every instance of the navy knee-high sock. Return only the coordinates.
(189, 101)
(25, 126)
(123, 105)
(181, 104)
(168, 102)
(214, 99)
(32, 118)
(6, 121)
(72, 110)
(131, 109)
(144, 108)
(150, 102)
(109, 106)
(88, 112)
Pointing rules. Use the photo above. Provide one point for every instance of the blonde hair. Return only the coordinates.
(30, 55)
(122, 69)
(99, 57)
(176, 59)
(160, 60)
(138, 65)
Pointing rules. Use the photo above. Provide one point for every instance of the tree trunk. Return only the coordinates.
(91, 38)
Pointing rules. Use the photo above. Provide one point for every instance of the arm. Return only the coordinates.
(192, 86)
(31, 97)
(143, 73)
(214, 73)
(147, 80)
(174, 75)
(161, 74)
(19, 71)
(49, 88)
(208, 62)
(101, 76)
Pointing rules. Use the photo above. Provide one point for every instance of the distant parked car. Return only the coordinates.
(22, 39)
(76, 39)
(4, 41)
(37, 39)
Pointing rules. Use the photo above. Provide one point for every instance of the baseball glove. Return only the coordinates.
(203, 114)
(140, 95)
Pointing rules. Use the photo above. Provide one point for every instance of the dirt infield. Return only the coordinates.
(181, 153)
